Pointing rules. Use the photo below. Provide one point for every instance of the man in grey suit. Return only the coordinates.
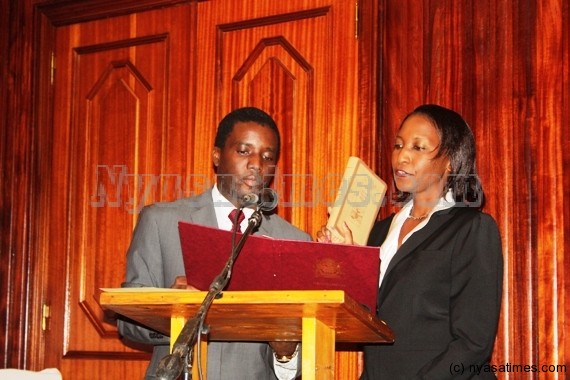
(245, 155)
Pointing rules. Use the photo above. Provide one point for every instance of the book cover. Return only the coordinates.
(276, 264)
(357, 203)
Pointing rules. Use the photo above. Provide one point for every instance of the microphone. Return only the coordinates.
(265, 201)
(247, 200)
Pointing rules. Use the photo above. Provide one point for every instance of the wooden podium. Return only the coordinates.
(318, 319)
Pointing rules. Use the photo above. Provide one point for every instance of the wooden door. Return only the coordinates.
(121, 129)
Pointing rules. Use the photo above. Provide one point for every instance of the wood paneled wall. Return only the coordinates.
(504, 65)
(16, 131)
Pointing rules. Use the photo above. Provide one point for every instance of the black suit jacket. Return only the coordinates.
(441, 295)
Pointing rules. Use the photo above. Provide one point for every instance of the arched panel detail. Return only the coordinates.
(117, 136)
(121, 92)
(277, 78)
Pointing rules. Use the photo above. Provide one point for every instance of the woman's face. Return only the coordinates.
(415, 165)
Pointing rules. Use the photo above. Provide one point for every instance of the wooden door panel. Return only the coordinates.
(286, 58)
(278, 79)
(299, 61)
(118, 138)
(118, 121)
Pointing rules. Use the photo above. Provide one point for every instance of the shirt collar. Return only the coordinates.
(445, 202)
(223, 207)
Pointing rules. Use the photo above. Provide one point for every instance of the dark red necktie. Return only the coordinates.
(232, 216)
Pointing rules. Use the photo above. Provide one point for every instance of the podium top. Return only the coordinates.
(250, 315)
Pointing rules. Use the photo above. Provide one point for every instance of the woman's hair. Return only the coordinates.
(244, 115)
(457, 144)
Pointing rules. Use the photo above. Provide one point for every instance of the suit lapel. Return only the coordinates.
(410, 246)
(202, 210)
(265, 226)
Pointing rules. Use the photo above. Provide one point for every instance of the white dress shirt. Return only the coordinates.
(390, 246)
(223, 207)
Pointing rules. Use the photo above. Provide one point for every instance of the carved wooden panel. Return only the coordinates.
(117, 124)
(118, 142)
(300, 63)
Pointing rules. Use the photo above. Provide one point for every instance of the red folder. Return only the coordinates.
(276, 264)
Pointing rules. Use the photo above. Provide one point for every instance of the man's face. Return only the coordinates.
(246, 164)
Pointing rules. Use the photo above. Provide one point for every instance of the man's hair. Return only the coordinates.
(245, 114)
(457, 144)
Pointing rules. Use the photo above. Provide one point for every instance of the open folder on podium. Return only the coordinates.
(276, 264)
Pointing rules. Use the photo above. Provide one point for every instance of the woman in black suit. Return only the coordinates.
(441, 259)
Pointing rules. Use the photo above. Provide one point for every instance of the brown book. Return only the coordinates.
(276, 264)
(357, 203)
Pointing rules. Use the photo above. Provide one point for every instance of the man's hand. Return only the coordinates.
(283, 348)
(181, 283)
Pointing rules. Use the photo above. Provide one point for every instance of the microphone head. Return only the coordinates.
(247, 200)
(268, 199)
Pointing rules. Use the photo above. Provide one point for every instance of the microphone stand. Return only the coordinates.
(171, 366)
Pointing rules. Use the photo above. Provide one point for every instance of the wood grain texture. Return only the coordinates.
(17, 183)
(284, 57)
(551, 145)
(564, 125)
(276, 314)
(503, 64)
(66, 12)
(115, 145)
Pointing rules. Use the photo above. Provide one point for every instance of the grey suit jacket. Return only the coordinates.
(154, 259)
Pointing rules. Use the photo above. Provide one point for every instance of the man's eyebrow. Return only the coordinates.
(239, 142)
(249, 145)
